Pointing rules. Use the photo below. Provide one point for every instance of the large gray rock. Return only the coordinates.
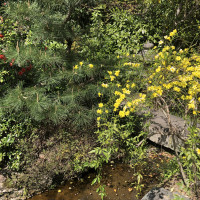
(162, 194)
(159, 130)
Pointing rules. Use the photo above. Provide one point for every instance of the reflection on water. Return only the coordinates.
(117, 178)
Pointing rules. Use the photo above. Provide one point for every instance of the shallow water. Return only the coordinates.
(118, 179)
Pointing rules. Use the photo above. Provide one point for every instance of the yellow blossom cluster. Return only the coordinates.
(81, 64)
(132, 64)
(177, 73)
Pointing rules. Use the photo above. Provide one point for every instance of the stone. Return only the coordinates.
(148, 45)
(162, 194)
(2, 180)
(159, 131)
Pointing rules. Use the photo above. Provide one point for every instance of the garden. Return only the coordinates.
(80, 82)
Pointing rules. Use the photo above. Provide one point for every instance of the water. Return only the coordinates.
(117, 177)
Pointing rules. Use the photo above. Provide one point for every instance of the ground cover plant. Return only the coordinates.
(79, 68)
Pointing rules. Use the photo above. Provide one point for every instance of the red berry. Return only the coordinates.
(11, 64)
(1, 36)
(2, 57)
(23, 70)
(20, 73)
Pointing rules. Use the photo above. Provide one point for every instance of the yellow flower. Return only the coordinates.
(106, 111)
(104, 85)
(99, 94)
(98, 118)
(133, 85)
(191, 105)
(99, 111)
(181, 50)
(109, 72)
(81, 63)
(127, 54)
(112, 78)
(76, 67)
(100, 105)
(118, 56)
(173, 47)
(59, 191)
(121, 113)
(172, 69)
(118, 85)
(178, 58)
(127, 86)
(177, 89)
(117, 73)
(158, 69)
(194, 112)
(161, 42)
(198, 151)
(91, 65)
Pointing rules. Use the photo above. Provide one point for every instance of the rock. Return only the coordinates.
(159, 131)
(2, 180)
(148, 45)
(161, 193)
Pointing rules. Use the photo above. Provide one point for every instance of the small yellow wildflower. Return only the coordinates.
(161, 42)
(91, 65)
(106, 111)
(112, 78)
(81, 63)
(127, 86)
(59, 191)
(158, 69)
(109, 72)
(118, 56)
(76, 67)
(99, 94)
(98, 118)
(178, 58)
(99, 111)
(104, 85)
(100, 105)
(172, 69)
(177, 89)
(118, 85)
(198, 151)
(181, 50)
(194, 112)
(121, 114)
(133, 85)
(117, 73)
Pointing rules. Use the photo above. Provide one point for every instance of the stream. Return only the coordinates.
(117, 177)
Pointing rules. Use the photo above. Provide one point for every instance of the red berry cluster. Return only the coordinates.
(24, 69)
(2, 57)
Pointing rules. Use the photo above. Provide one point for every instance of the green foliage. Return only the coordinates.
(11, 132)
(116, 32)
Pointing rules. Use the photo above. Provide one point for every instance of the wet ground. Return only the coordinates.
(119, 180)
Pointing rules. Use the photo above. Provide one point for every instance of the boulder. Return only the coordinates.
(159, 131)
(162, 194)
